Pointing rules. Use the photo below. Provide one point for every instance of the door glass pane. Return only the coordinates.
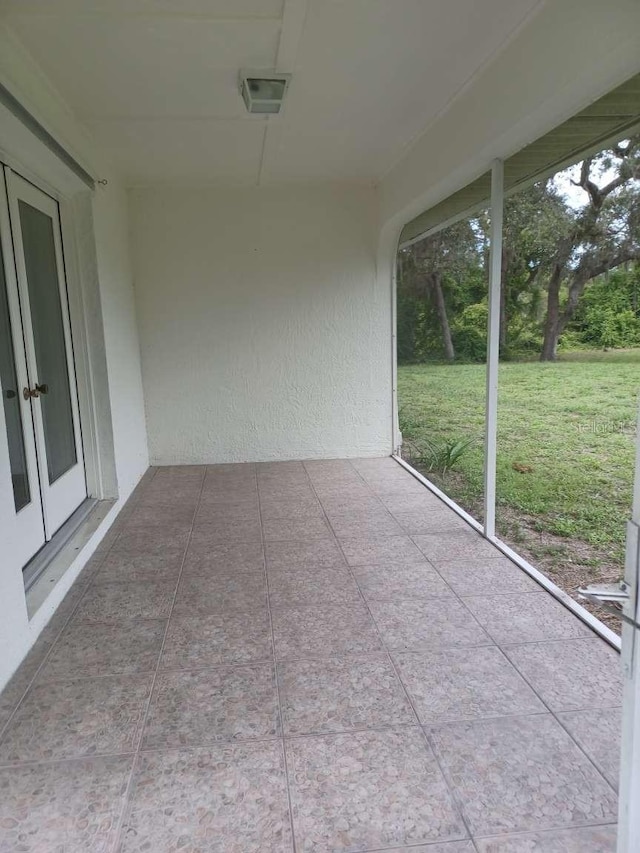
(48, 333)
(11, 402)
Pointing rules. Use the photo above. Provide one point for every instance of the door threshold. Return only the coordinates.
(44, 570)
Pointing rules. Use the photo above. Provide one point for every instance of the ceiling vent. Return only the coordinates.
(263, 91)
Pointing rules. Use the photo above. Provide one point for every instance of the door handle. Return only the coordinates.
(33, 393)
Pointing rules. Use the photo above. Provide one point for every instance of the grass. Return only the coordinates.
(566, 438)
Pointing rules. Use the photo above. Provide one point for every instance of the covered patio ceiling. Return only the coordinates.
(156, 81)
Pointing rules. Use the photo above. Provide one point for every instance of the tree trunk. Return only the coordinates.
(441, 310)
(552, 321)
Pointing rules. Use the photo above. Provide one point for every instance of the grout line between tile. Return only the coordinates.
(66, 759)
(392, 663)
(421, 846)
(128, 796)
(498, 645)
(554, 714)
(275, 672)
(524, 832)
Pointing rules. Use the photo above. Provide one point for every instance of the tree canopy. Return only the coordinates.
(562, 239)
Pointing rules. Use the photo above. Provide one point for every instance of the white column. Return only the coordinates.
(629, 808)
(493, 347)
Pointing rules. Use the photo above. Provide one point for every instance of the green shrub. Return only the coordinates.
(440, 457)
(608, 315)
(469, 332)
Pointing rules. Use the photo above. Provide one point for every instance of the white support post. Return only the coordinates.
(629, 796)
(493, 347)
(395, 415)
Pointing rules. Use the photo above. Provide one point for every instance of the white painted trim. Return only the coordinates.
(564, 598)
(22, 532)
(468, 213)
(493, 348)
(395, 414)
(588, 618)
(509, 192)
(61, 497)
(294, 15)
(629, 799)
(81, 347)
(9, 160)
(74, 205)
(635, 506)
(628, 803)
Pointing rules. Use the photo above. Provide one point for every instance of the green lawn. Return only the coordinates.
(569, 427)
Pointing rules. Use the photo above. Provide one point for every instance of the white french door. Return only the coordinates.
(28, 524)
(36, 367)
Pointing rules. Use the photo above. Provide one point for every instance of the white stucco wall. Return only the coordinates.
(21, 75)
(110, 216)
(265, 333)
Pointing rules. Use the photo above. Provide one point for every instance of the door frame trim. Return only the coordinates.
(60, 495)
(80, 255)
(29, 519)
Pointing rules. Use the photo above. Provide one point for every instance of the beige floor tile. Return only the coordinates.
(429, 624)
(71, 719)
(340, 694)
(113, 648)
(200, 707)
(70, 806)
(229, 798)
(222, 638)
(523, 618)
(571, 675)
(463, 684)
(324, 630)
(368, 790)
(519, 774)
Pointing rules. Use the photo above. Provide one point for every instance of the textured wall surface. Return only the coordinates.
(264, 331)
(121, 336)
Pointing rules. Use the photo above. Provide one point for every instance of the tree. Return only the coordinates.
(534, 220)
(552, 250)
(430, 268)
(603, 236)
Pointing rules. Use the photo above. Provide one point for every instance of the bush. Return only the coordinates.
(523, 338)
(439, 456)
(608, 316)
(469, 332)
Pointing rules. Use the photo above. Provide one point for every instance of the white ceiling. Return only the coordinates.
(156, 80)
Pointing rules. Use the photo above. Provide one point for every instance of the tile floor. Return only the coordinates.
(314, 657)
